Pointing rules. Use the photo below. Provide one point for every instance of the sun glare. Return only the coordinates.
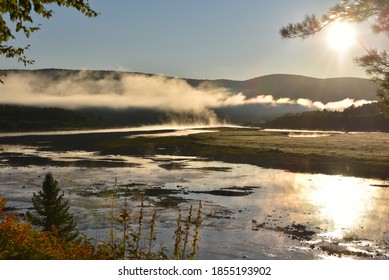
(343, 201)
(341, 36)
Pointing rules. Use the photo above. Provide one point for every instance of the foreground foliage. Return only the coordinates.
(19, 240)
(21, 14)
(138, 234)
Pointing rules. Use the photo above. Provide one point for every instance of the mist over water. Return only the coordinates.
(266, 210)
(116, 90)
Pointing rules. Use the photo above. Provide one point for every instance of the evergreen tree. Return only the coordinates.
(52, 210)
(375, 63)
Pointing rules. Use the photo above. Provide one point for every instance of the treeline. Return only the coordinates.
(21, 118)
(15, 118)
(26, 118)
(364, 118)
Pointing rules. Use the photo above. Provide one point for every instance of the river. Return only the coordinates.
(248, 212)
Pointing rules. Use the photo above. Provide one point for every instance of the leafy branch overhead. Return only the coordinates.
(16, 16)
(376, 63)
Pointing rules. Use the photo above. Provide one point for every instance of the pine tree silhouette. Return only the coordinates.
(52, 210)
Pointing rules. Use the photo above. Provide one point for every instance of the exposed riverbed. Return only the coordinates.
(248, 211)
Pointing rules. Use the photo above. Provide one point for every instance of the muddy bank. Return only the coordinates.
(361, 155)
(248, 212)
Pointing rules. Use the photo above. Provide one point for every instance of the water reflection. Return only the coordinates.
(149, 128)
(307, 135)
(176, 133)
(341, 201)
(254, 226)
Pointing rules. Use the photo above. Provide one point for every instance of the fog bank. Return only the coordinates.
(124, 90)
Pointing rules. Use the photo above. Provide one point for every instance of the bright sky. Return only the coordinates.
(206, 39)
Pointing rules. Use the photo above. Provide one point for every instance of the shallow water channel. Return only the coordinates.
(248, 212)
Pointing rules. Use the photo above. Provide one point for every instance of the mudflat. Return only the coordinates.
(364, 154)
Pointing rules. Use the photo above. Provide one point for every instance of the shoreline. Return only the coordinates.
(358, 155)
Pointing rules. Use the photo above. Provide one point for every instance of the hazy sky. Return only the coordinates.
(206, 39)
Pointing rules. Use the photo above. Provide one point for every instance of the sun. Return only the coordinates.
(341, 36)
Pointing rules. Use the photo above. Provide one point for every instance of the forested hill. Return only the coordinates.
(277, 85)
(364, 118)
(24, 118)
(295, 87)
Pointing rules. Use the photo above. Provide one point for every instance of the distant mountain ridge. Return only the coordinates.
(295, 87)
(277, 85)
(16, 117)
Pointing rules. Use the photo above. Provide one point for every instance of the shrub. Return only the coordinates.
(21, 241)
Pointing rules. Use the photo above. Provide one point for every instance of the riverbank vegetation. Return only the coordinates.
(26, 118)
(364, 118)
(135, 239)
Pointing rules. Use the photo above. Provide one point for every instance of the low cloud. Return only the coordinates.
(138, 91)
(122, 91)
(341, 105)
(240, 99)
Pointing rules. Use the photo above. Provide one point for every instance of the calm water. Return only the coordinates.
(249, 212)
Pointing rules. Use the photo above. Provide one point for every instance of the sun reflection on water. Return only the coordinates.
(342, 202)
